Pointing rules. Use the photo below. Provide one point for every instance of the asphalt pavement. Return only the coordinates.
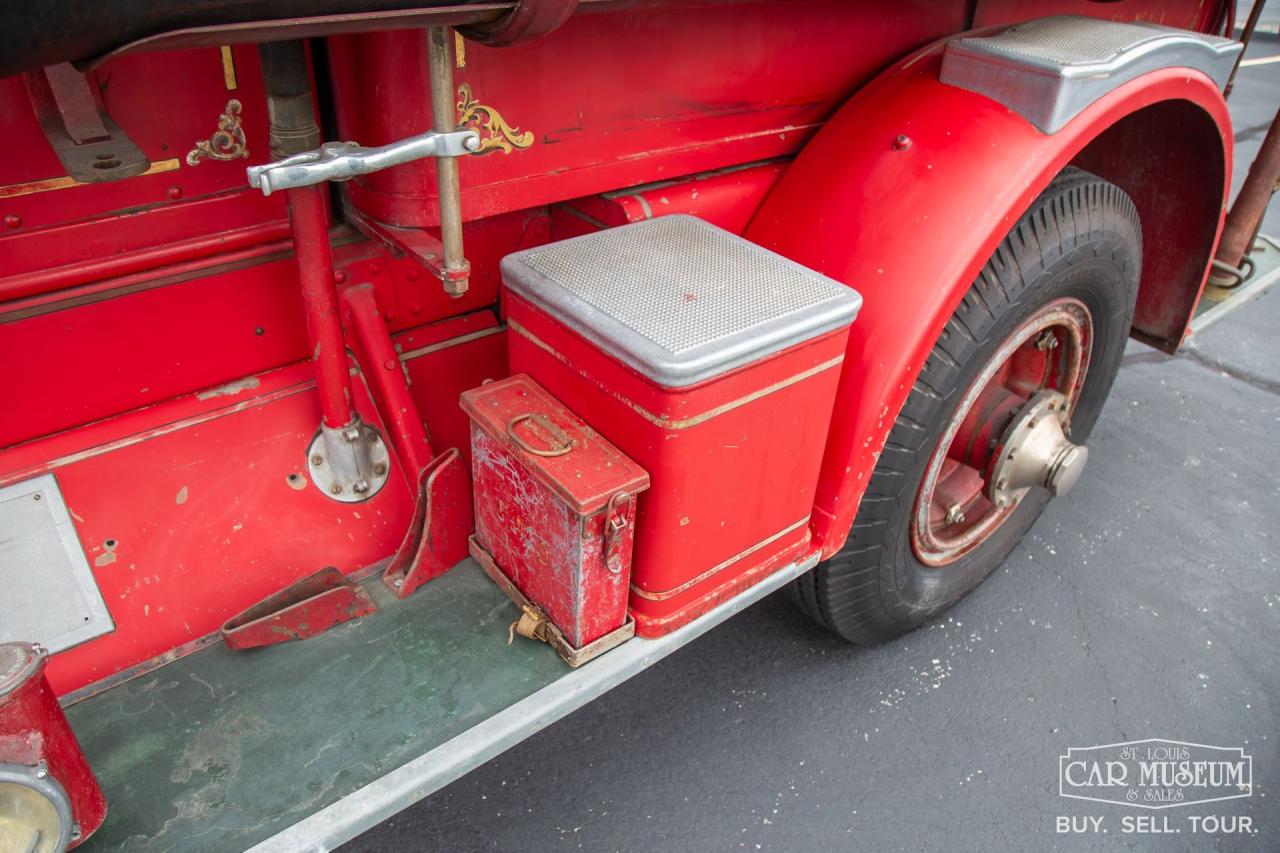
(1146, 604)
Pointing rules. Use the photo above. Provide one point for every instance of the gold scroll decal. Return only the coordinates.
(227, 142)
(495, 132)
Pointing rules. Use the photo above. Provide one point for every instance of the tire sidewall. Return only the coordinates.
(1089, 274)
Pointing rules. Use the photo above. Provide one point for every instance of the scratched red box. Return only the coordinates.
(710, 361)
(555, 505)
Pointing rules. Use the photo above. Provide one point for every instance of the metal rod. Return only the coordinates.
(444, 118)
(308, 220)
(387, 382)
(1241, 227)
(293, 130)
(1254, 14)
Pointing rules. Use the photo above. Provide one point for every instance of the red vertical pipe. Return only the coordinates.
(309, 223)
(387, 380)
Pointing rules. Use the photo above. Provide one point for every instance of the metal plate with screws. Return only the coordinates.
(366, 451)
(50, 594)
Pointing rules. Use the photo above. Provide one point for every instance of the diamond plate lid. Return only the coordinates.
(17, 663)
(678, 299)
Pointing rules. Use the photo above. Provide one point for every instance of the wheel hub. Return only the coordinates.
(1009, 432)
(1035, 451)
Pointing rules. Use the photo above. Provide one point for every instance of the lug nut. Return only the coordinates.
(1047, 341)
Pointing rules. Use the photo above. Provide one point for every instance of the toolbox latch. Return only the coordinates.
(615, 524)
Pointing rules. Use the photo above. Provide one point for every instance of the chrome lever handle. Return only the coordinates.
(341, 161)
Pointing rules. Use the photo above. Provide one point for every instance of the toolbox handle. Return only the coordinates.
(560, 442)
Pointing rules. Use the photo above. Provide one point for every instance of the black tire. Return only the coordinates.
(1080, 238)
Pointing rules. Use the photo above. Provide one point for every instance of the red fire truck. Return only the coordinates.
(388, 378)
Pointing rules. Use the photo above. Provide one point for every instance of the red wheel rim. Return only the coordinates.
(953, 513)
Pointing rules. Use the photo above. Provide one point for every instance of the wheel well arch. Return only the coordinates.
(1168, 158)
(912, 184)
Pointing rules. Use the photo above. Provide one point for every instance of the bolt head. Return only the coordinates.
(317, 460)
(336, 489)
(902, 143)
(360, 487)
(380, 469)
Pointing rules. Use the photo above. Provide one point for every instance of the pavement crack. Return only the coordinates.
(1098, 662)
(1253, 380)
(1198, 358)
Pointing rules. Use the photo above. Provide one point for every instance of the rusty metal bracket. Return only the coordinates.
(415, 243)
(442, 520)
(301, 610)
(91, 147)
(533, 623)
(615, 522)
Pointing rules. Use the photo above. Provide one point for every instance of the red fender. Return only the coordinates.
(910, 187)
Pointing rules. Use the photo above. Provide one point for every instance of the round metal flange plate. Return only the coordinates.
(1035, 451)
(339, 489)
(18, 661)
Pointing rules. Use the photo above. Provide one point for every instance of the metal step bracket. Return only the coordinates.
(1050, 69)
(341, 161)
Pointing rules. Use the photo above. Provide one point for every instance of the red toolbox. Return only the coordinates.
(713, 363)
(555, 508)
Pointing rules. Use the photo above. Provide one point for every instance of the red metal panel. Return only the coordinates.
(1184, 14)
(445, 359)
(83, 363)
(165, 102)
(620, 99)
(555, 505)
(727, 198)
(733, 459)
(192, 510)
(410, 296)
(926, 218)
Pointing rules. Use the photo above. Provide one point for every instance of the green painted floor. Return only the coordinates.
(220, 750)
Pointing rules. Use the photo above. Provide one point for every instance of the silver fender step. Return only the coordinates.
(1048, 70)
